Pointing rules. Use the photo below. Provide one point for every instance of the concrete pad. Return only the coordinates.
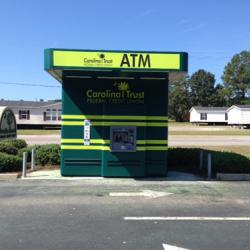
(8, 177)
(54, 175)
(233, 177)
(174, 175)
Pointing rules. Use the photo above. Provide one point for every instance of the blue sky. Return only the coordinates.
(210, 31)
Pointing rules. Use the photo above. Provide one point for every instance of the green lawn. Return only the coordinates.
(37, 132)
(190, 129)
(173, 123)
(220, 132)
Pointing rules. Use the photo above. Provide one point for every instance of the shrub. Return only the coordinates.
(183, 159)
(188, 159)
(8, 149)
(28, 150)
(48, 154)
(18, 143)
(228, 162)
(10, 163)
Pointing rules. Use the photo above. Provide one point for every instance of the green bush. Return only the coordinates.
(10, 163)
(28, 150)
(8, 149)
(188, 159)
(48, 154)
(228, 162)
(18, 143)
(183, 159)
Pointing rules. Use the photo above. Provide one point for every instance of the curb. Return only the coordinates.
(233, 177)
(8, 177)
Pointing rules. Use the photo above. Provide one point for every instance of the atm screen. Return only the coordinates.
(123, 139)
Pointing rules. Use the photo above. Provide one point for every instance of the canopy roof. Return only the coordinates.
(58, 60)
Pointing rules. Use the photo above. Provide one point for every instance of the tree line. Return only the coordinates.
(200, 88)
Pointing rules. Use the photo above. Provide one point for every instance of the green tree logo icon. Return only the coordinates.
(102, 56)
(123, 86)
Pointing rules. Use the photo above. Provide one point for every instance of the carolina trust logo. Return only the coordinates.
(100, 60)
(102, 56)
(122, 86)
(121, 92)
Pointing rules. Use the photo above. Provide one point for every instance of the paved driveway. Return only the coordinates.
(211, 140)
(174, 140)
(82, 215)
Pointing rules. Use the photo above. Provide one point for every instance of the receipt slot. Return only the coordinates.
(114, 110)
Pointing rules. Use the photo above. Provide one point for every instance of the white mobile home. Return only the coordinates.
(208, 115)
(35, 114)
(239, 115)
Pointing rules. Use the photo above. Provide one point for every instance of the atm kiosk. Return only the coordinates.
(114, 110)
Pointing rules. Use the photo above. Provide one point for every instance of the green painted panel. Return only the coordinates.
(105, 96)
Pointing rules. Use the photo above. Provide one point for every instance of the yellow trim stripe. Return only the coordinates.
(151, 141)
(114, 117)
(101, 141)
(107, 148)
(139, 124)
(96, 141)
(152, 148)
(85, 147)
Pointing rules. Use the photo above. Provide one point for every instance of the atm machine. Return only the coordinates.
(114, 110)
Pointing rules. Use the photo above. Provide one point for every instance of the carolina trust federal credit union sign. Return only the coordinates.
(120, 93)
(118, 60)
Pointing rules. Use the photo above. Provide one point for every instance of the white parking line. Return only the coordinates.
(144, 193)
(171, 247)
(188, 218)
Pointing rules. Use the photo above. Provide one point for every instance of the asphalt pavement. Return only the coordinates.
(82, 214)
(174, 140)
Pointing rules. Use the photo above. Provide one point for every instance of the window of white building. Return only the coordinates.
(203, 116)
(52, 114)
(24, 114)
(59, 112)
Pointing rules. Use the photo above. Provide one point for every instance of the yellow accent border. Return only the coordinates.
(139, 124)
(96, 141)
(73, 147)
(114, 117)
(74, 58)
(152, 141)
(101, 141)
(107, 148)
(152, 148)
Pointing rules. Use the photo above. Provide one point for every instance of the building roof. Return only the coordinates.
(240, 107)
(27, 104)
(243, 106)
(199, 108)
